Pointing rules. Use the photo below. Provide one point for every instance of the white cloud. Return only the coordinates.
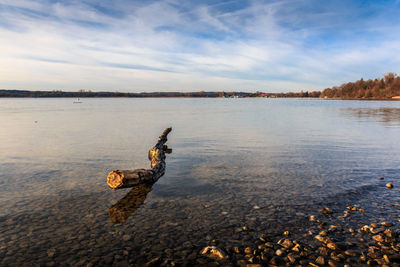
(170, 45)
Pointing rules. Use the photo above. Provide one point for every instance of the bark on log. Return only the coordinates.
(118, 179)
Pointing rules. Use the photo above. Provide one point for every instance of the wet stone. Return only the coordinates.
(213, 252)
(378, 238)
(320, 260)
(389, 185)
(332, 263)
(326, 211)
(386, 224)
(279, 252)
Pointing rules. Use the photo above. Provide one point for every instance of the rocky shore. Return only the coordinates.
(327, 243)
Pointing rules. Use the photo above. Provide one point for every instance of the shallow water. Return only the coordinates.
(267, 164)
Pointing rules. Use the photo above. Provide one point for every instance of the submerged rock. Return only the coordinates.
(326, 211)
(213, 252)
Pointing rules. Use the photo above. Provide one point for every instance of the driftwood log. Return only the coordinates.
(128, 178)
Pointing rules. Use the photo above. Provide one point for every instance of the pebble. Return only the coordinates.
(332, 246)
(213, 252)
(378, 238)
(51, 252)
(326, 211)
(320, 260)
(126, 237)
(279, 252)
(287, 244)
(323, 233)
(352, 253)
(286, 233)
(248, 250)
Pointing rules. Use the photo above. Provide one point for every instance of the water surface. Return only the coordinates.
(267, 164)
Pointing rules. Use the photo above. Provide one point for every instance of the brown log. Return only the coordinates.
(128, 178)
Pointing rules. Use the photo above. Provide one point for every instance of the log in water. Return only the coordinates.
(118, 179)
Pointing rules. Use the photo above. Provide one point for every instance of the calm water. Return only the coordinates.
(267, 164)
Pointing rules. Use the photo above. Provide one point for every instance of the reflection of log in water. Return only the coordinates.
(126, 206)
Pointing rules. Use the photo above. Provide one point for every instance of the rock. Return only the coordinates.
(326, 211)
(320, 260)
(378, 238)
(386, 259)
(323, 239)
(323, 233)
(332, 263)
(279, 252)
(292, 258)
(374, 255)
(386, 224)
(381, 178)
(389, 185)
(287, 244)
(51, 252)
(390, 233)
(286, 233)
(377, 230)
(248, 250)
(312, 218)
(352, 253)
(269, 245)
(296, 248)
(332, 227)
(213, 252)
(256, 207)
(126, 237)
(332, 246)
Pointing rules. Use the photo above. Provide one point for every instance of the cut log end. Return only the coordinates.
(115, 179)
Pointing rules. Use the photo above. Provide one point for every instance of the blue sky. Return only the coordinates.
(177, 45)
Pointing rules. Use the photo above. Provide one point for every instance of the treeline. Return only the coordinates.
(84, 93)
(385, 88)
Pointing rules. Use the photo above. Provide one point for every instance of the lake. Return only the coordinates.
(240, 169)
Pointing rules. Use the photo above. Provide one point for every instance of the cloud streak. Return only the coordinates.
(195, 45)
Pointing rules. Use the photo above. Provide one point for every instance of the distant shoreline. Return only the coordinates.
(201, 94)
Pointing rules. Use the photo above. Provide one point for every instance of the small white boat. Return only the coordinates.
(77, 101)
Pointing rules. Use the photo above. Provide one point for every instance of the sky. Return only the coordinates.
(210, 45)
